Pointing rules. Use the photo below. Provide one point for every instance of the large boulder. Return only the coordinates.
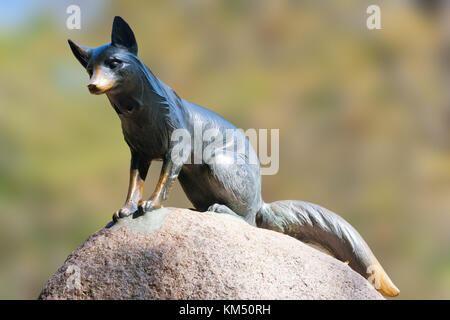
(182, 254)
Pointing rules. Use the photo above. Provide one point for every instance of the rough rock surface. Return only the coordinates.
(182, 254)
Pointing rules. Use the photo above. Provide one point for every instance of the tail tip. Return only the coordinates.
(381, 281)
(389, 291)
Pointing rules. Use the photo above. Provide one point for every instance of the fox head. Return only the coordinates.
(112, 65)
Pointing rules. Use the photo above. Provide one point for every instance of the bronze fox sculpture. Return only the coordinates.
(150, 112)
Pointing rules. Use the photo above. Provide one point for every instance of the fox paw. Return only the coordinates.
(147, 206)
(123, 212)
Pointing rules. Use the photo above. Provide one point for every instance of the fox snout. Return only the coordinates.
(100, 82)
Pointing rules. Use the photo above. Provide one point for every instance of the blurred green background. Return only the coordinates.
(364, 120)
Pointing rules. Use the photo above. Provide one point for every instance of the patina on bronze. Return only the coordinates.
(150, 111)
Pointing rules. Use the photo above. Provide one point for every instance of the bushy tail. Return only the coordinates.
(318, 226)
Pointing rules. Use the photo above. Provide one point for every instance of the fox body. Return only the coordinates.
(150, 112)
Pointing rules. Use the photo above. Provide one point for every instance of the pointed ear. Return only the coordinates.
(80, 52)
(123, 36)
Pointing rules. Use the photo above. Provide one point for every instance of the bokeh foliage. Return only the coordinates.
(363, 117)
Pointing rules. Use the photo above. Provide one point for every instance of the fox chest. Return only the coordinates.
(146, 136)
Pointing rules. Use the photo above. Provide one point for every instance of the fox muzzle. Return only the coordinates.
(100, 82)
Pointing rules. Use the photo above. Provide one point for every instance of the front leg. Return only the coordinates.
(138, 172)
(169, 173)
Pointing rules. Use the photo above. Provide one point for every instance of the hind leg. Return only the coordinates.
(235, 185)
(221, 208)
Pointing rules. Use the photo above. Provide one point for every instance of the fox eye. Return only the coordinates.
(113, 63)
